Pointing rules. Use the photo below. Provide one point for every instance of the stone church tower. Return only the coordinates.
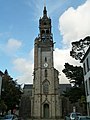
(46, 101)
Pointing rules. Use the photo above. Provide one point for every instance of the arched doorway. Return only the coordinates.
(46, 111)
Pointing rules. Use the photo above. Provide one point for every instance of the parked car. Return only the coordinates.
(72, 116)
(67, 117)
(83, 118)
(10, 117)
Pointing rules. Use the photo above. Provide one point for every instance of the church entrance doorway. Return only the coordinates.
(46, 111)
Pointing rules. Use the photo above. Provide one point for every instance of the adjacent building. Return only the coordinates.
(25, 104)
(86, 71)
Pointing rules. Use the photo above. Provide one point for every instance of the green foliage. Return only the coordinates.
(79, 48)
(3, 106)
(11, 91)
(75, 76)
(74, 94)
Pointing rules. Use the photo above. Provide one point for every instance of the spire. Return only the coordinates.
(45, 26)
(44, 11)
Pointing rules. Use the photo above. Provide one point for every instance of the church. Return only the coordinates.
(42, 99)
(45, 102)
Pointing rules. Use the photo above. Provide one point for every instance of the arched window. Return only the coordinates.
(47, 31)
(44, 23)
(46, 111)
(45, 73)
(43, 31)
(45, 59)
(46, 87)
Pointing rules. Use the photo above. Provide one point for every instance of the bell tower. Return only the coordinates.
(46, 102)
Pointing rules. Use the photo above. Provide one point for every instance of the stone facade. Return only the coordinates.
(65, 105)
(45, 102)
(25, 104)
(44, 99)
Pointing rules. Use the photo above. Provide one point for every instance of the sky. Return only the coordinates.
(19, 26)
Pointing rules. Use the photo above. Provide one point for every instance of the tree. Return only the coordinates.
(11, 91)
(3, 107)
(78, 51)
(75, 76)
(74, 94)
(79, 48)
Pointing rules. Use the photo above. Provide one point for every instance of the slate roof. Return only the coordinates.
(28, 86)
(62, 87)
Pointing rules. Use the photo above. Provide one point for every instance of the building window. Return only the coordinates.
(46, 111)
(44, 23)
(88, 107)
(47, 31)
(45, 73)
(89, 86)
(87, 61)
(45, 59)
(43, 31)
(46, 87)
(84, 68)
(86, 88)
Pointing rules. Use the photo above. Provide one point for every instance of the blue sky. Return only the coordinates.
(19, 22)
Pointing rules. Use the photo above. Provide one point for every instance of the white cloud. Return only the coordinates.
(25, 67)
(61, 56)
(13, 45)
(10, 47)
(74, 23)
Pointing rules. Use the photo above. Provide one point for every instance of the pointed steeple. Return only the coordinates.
(45, 12)
(45, 26)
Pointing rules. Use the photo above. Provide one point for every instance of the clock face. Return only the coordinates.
(45, 65)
